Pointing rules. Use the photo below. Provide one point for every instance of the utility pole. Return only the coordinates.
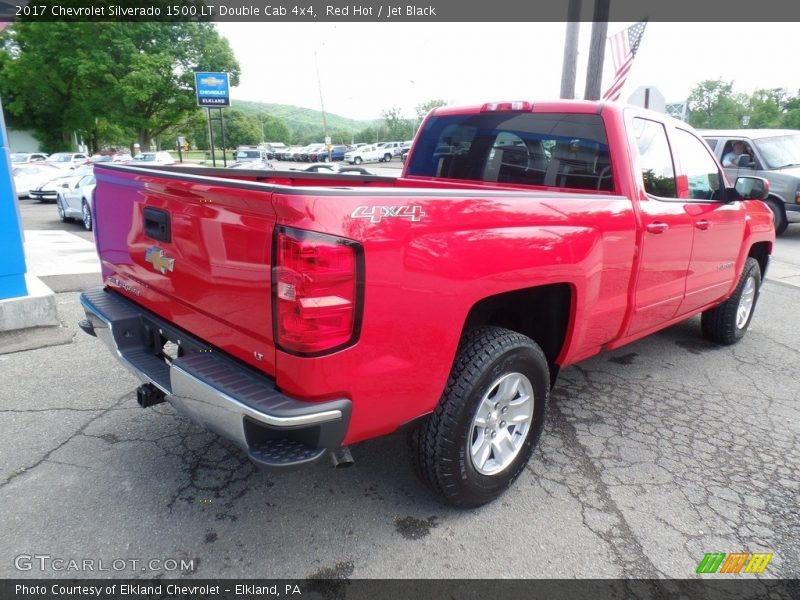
(569, 66)
(321, 103)
(597, 48)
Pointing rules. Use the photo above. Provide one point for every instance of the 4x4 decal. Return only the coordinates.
(376, 213)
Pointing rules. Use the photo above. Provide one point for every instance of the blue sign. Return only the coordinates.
(212, 89)
(12, 258)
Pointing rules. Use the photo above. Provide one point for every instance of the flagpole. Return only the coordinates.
(569, 66)
(597, 48)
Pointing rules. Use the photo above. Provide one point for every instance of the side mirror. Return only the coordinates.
(752, 188)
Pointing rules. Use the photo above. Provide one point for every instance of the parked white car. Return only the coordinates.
(67, 160)
(369, 153)
(75, 201)
(48, 192)
(27, 157)
(29, 176)
(162, 157)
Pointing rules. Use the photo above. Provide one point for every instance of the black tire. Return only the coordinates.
(86, 212)
(387, 157)
(778, 215)
(724, 324)
(357, 160)
(443, 444)
(61, 213)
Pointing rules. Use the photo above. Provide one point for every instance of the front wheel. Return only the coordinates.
(357, 160)
(61, 212)
(727, 323)
(486, 425)
(778, 215)
(86, 213)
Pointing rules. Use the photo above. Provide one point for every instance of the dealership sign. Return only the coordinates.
(212, 89)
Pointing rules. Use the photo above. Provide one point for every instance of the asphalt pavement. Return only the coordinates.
(652, 456)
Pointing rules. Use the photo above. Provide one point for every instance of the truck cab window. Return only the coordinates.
(655, 158)
(537, 149)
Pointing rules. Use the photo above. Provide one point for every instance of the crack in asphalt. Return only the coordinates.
(730, 483)
(619, 537)
(23, 470)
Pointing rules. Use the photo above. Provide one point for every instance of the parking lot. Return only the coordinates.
(652, 456)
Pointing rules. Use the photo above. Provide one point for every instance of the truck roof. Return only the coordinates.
(746, 133)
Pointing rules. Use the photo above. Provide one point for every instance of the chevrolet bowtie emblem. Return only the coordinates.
(155, 256)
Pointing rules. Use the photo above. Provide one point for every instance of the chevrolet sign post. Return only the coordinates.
(213, 91)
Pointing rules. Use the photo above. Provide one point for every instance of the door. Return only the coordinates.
(667, 232)
(718, 227)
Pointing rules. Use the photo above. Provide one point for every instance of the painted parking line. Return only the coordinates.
(59, 253)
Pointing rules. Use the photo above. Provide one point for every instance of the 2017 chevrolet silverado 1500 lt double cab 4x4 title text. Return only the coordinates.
(298, 313)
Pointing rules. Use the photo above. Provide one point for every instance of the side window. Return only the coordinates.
(655, 158)
(700, 168)
(712, 143)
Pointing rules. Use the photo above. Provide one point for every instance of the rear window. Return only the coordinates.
(544, 149)
(248, 154)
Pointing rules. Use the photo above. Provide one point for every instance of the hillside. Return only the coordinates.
(302, 120)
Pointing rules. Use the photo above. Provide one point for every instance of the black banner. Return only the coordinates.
(387, 11)
(383, 589)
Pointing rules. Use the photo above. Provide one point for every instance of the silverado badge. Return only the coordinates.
(155, 256)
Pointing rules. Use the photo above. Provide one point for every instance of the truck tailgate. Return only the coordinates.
(194, 252)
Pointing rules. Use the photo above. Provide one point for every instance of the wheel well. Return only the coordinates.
(760, 251)
(541, 313)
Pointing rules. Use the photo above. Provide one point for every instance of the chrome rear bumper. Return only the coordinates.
(213, 389)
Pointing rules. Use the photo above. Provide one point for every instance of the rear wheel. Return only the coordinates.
(727, 323)
(778, 215)
(86, 213)
(486, 425)
(387, 157)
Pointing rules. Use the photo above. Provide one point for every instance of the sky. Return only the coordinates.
(365, 68)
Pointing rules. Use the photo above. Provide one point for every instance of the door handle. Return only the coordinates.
(703, 224)
(657, 227)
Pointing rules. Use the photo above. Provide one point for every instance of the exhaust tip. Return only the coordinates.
(342, 458)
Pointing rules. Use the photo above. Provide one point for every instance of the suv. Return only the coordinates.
(251, 154)
(773, 154)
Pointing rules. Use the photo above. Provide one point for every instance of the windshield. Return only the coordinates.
(60, 157)
(19, 157)
(563, 150)
(780, 151)
(144, 157)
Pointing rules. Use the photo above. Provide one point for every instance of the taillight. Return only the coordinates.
(317, 285)
(506, 106)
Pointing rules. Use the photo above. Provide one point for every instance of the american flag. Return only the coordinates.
(624, 46)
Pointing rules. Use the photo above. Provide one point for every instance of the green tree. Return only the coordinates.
(273, 129)
(714, 105)
(396, 126)
(767, 108)
(426, 107)
(97, 78)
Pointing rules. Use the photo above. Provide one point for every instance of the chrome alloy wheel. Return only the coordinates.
(501, 423)
(746, 301)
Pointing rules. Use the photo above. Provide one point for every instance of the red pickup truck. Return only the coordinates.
(298, 313)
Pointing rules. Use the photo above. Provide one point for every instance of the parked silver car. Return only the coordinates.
(48, 191)
(76, 200)
(773, 154)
